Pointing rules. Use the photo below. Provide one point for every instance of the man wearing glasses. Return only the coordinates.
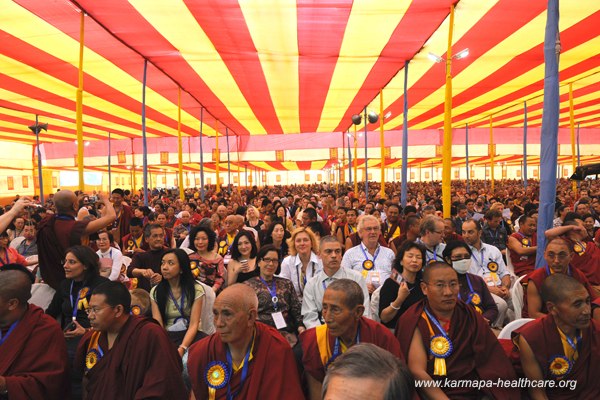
(369, 258)
(432, 235)
(446, 340)
(126, 357)
(558, 255)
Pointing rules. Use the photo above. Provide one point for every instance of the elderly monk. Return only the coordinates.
(558, 256)
(244, 359)
(564, 345)
(444, 338)
(126, 357)
(344, 327)
(58, 232)
(33, 353)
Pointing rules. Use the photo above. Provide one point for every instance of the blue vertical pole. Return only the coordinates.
(144, 144)
(39, 154)
(549, 139)
(404, 184)
(109, 166)
(228, 162)
(201, 155)
(366, 161)
(525, 146)
(467, 153)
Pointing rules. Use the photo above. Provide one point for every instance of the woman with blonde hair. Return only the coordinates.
(253, 218)
(303, 262)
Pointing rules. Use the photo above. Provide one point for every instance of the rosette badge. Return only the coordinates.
(216, 375)
(368, 265)
(91, 358)
(440, 347)
(560, 366)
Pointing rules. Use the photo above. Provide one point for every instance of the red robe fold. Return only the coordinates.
(523, 264)
(272, 372)
(544, 340)
(477, 354)
(587, 261)
(142, 364)
(370, 332)
(34, 358)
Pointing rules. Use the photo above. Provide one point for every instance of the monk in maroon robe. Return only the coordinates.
(443, 338)
(33, 353)
(523, 246)
(563, 345)
(558, 256)
(126, 357)
(246, 358)
(344, 326)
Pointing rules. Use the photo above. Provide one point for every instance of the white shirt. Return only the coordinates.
(291, 268)
(433, 254)
(312, 302)
(117, 261)
(481, 259)
(382, 264)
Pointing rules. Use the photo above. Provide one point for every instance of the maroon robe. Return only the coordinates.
(538, 276)
(523, 264)
(272, 371)
(122, 221)
(34, 358)
(477, 354)
(55, 235)
(544, 340)
(587, 260)
(142, 364)
(370, 332)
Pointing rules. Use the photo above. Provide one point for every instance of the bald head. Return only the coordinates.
(15, 284)
(558, 287)
(240, 296)
(432, 269)
(64, 201)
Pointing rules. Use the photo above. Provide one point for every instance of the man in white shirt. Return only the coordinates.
(432, 234)
(487, 262)
(312, 302)
(369, 258)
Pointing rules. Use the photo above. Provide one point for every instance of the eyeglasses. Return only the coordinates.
(453, 285)
(371, 228)
(271, 260)
(458, 258)
(438, 232)
(94, 310)
(102, 240)
(561, 256)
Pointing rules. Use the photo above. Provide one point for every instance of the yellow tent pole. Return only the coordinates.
(356, 165)
(218, 157)
(572, 123)
(79, 106)
(179, 146)
(492, 153)
(382, 144)
(447, 145)
(237, 148)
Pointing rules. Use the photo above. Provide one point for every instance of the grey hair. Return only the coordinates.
(428, 224)
(364, 219)
(366, 360)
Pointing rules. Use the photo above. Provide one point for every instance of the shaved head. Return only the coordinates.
(241, 297)
(15, 284)
(436, 266)
(64, 201)
(558, 287)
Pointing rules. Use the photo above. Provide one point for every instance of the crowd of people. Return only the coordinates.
(299, 292)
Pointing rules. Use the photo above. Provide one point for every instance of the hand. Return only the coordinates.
(403, 292)
(301, 329)
(370, 288)
(102, 198)
(147, 273)
(21, 204)
(181, 351)
(78, 331)
(156, 278)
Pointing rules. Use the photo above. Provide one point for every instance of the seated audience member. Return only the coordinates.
(366, 371)
(243, 259)
(126, 357)
(563, 345)
(277, 235)
(145, 266)
(312, 303)
(390, 228)
(207, 265)
(244, 357)
(442, 337)
(403, 288)
(177, 299)
(134, 241)
(344, 327)
(493, 233)
(473, 290)
(449, 231)
(371, 259)
(141, 305)
(432, 235)
(110, 257)
(33, 361)
(558, 256)
(411, 233)
(523, 246)
(278, 305)
(343, 232)
(303, 263)
(9, 255)
(26, 245)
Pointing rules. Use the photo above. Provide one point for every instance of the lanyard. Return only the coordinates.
(245, 363)
(337, 347)
(302, 282)
(548, 272)
(470, 287)
(480, 265)
(74, 303)
(5, 336)
(109, 254)
(436, 323)
(433, 252)
(177, 305)
(374, 255)
(572, 344)
(272, 292)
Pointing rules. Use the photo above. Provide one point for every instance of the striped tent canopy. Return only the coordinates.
(267, 67)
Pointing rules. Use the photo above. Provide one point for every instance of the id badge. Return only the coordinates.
(279, 320)
(489, 281)
(226, 259)
(375, 279)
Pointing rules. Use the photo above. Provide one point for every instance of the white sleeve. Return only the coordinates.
(116, 266)
(310, 311)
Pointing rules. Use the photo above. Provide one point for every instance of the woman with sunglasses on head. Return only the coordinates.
(242, 265)
(473, 289)
(278, 305)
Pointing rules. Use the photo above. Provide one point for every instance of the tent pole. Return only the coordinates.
(404, 184)
(179, 146)
(144, 143)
